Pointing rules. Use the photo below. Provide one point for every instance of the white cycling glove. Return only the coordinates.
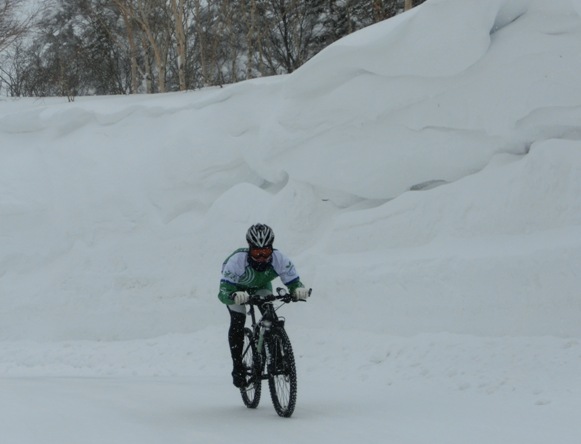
(240, 297)
(300, 294)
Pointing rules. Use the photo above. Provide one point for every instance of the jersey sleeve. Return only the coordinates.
(232, 271)
(286, 270)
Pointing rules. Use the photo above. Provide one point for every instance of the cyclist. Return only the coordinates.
(247, 271)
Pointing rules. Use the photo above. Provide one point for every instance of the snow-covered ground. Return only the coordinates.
(425, 176)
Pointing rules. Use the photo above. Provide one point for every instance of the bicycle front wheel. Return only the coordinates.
(282, 373)
(253, 367)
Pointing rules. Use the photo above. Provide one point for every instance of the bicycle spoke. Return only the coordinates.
(252, 365)
(282, 373)
(275, 361)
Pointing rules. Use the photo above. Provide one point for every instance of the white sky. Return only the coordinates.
(446, 315)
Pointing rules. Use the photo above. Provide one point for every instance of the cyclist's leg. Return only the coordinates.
(236, 341)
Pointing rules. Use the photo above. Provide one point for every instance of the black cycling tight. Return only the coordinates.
(236, 335)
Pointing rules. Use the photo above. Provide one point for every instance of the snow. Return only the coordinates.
(425, 176)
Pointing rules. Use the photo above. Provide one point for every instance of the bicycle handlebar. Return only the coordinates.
(282, 295)
(257, 299)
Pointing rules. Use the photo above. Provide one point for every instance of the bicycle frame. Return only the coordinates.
(268, 314)
(271, 354)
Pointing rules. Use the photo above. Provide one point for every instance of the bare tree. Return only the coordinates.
(178, 8)
(13, 26)
(201, 38)
(120, 46)
(153, 17)
(13, 70)
(249, 20)
(290, 32)
(126, 9)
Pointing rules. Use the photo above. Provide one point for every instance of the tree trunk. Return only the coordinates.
(201, 42)
(250, 15)
(146, 75)
(133, 58)
(158, 45)
(178, 14)
(409, 4)
(128, 15)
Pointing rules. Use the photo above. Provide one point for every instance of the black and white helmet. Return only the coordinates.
(260, 235)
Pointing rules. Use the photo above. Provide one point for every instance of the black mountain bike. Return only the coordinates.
(268, 354)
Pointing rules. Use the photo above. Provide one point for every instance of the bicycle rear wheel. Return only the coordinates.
(253, 366)
(282, 373)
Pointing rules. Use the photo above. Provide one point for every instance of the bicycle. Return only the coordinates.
(268, 355)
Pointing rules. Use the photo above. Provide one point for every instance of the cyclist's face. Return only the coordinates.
(261, 255)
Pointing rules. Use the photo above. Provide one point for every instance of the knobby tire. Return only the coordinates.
(253, 367)
(282, 373)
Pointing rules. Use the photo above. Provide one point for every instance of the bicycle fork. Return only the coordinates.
(265, 326)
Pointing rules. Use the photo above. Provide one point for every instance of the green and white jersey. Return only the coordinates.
(238, 275)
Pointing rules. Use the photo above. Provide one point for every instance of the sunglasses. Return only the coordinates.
(261, 253)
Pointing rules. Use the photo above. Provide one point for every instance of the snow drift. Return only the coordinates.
(116, 212)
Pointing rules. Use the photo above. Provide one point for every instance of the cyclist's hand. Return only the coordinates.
(240, 297)
(300, 294)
